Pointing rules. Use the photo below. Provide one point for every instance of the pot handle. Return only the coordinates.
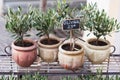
(6, 49)
(114, 48)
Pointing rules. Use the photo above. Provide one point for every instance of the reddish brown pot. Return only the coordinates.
(24, 56)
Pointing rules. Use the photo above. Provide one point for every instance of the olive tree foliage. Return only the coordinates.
(44, 22)
(18, 23)
(98, 22)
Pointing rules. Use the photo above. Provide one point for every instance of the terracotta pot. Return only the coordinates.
(71, 59)
(98, 54)
(24, 56)
(48, 53)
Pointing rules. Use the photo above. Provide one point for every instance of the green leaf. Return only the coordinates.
(27, 35)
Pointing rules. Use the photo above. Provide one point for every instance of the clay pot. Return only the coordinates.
(24, 56)
(98, 54)
(72, 60)
(48, 53)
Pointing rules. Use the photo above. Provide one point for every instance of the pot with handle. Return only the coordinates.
(98, 54)
(23, 56)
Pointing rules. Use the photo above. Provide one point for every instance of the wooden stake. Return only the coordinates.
(72, 41)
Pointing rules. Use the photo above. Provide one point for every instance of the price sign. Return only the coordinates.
(71, 24)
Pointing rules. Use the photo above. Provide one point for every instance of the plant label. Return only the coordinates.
(71, 24)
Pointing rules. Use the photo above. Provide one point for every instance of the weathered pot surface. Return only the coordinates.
(24, 56)
(48, 53)
(98, 54)
(72, 60)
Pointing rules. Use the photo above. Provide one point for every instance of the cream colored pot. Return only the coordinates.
(71, 59)
(48, 53)
(98, 54)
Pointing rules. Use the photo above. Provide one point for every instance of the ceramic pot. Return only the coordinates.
(48, 53)
(71, 59)
(24, 56)
(98, 54)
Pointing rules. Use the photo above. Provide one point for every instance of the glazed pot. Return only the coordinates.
(48, 53)
(98, 54)
(71, 60)
(24, 56)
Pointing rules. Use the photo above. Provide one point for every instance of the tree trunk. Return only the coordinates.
(43, 7)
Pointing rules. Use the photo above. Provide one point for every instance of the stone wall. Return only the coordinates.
(36, 3)
(73, 3)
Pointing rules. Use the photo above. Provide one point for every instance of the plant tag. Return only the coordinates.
(71, 24)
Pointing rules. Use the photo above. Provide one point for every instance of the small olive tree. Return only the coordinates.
(98, 22)
(18, 23)
(63, 12)
(44, 22)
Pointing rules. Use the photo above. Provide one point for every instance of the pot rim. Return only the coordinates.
(98, 47)
(49, 46)
(70, 52)
(34, 46)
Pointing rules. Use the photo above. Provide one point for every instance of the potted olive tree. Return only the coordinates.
(45, 22)
(100, 25)
(71, 52)
(23, 50)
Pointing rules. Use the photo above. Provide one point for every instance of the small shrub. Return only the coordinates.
(18, 23)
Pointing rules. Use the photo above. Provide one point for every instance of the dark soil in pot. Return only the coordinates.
(68, 48)
(51, 41)
(23, 43)
(97, 43)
